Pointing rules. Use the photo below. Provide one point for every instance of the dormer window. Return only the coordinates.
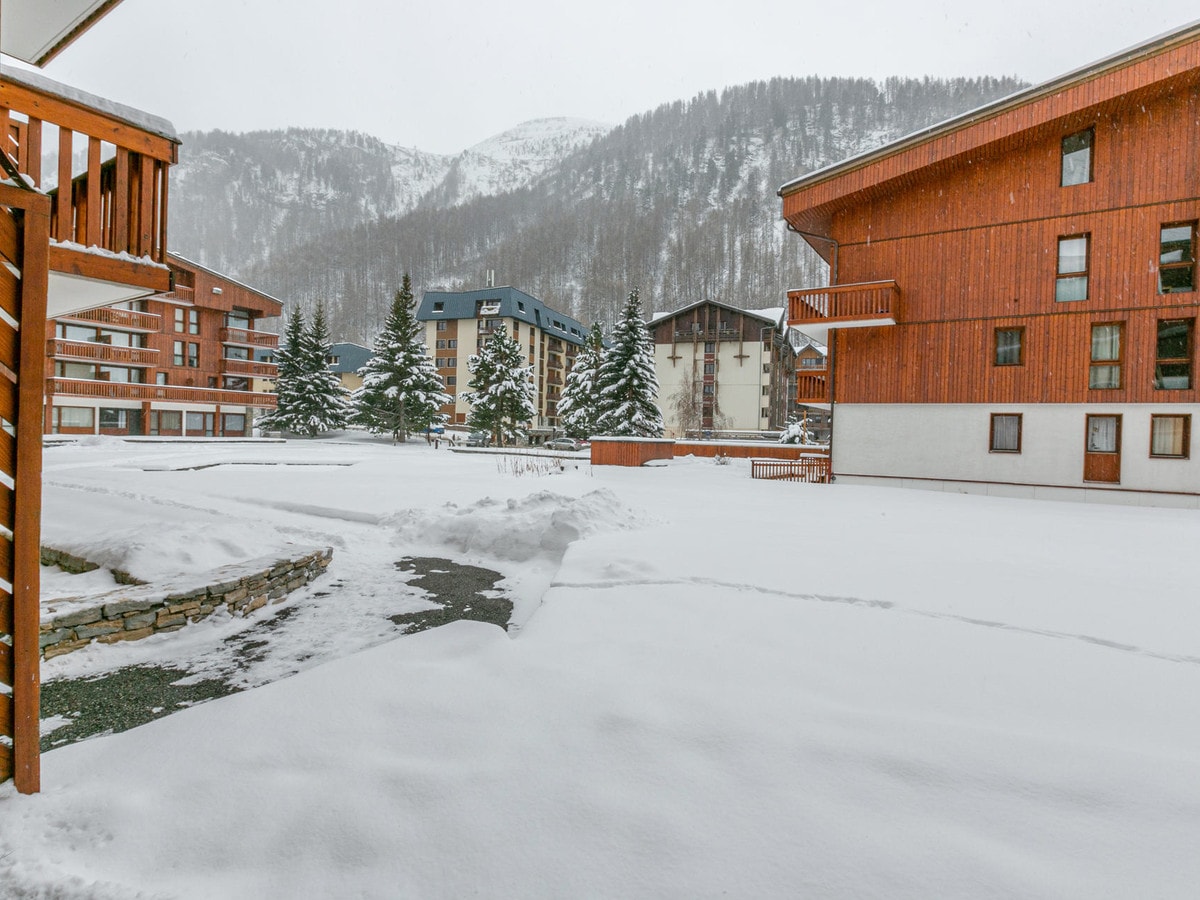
(1077, 158)
(438, 306)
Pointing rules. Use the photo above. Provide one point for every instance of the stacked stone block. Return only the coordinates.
(141, 611)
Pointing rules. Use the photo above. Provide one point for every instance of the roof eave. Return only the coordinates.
(1119, 60)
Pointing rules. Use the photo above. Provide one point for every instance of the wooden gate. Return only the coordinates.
(24, 273)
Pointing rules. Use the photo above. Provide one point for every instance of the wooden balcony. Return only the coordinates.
(108, 217)
(249, 338)
(114, 390)
(120, 319)
(864, 305)
(812, 387)
(249, 368)
(103, 353)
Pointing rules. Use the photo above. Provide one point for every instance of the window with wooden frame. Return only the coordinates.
(1005, 433)
(1170, 436)
(1173, 356)
(1009, 347)
(193, 356)
(1177, 258)
(193, 321)
(179, 318)
(1077, 157)
(441, 326)
(177, 354)
(1104, 372)
(1071, 282)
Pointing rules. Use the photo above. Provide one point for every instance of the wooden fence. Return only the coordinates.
(809, 469)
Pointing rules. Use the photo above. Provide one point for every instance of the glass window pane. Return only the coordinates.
(1008, 346)
(1072, 255)
(1176, 245)
(1106, 342)
(1175, 279)
(1077, 158)
(1168, 435)
(1102, 434)
(1006, 432)
(1173, 376)
(1104, 377)
(1068, 289)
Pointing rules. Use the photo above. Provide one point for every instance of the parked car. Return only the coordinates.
(479, 439)
(569, 444)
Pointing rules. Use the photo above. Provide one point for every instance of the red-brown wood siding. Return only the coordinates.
(975, 248)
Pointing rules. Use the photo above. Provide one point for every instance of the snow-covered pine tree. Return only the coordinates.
(289, 361)
(627, 384)
(577, 405)
(310, 398)
(402, 391)
(502, 393)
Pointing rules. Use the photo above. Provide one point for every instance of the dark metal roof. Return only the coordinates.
(509, 303)
(350, 357)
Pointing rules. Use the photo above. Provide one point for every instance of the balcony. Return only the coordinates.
(712, 334)
(104, 168)
(114, 390)
(249, 368)
(121, 319)
(812, 388)
(103, 353)
(249, 338)
(864, 305)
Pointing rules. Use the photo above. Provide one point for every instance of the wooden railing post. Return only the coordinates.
(24, 243)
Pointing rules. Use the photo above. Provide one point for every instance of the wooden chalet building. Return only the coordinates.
(181, 363)
(458, 323)
(83, 223)
(721, 368)
(1013, 293)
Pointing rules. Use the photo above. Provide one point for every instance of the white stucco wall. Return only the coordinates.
(950, 441)
(739, 383)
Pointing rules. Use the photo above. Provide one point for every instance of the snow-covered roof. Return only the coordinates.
(119, 111)
(774, 315)
(507, 303)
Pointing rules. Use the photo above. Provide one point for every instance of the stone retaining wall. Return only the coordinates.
(140, 611)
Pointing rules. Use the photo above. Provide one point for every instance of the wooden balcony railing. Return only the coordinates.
(123, 319)
(114, 390)
(251, 338)
(249, 368)
(184, 293)
(108, 353)
(117, 202)
(812, 387)
(873, 302)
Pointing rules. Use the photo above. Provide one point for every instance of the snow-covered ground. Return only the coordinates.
(719, 687)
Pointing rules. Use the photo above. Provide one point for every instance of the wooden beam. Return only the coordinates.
(120, 239)
(64, 227)
(6, 664)
(33, 162)
(5, 611)
(107, 268)
(6, 715)
(92, 233)
(77, 117)
(27, 487)
(5, 763)
(145, 233)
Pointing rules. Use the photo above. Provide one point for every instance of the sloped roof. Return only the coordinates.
(350, 357)
(510, 304)
(184, 263)
(774, 315)
(1153, 66)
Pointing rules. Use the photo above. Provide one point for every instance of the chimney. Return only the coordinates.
(491, 278)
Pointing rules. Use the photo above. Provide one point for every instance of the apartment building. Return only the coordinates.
(179, 363)
(721, 368)
(457, 323)
(1013, 295)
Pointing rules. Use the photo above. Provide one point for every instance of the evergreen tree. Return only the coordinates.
(289, 361)
(325, 403)
(502, 393)
(401, 390)
(309, 397)
(626, 383)
(578, 404)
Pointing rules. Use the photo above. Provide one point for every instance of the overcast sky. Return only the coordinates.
(442, 75)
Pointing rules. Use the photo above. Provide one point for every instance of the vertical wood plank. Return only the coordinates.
(64, 225)
(92, 226)
(120, 229)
